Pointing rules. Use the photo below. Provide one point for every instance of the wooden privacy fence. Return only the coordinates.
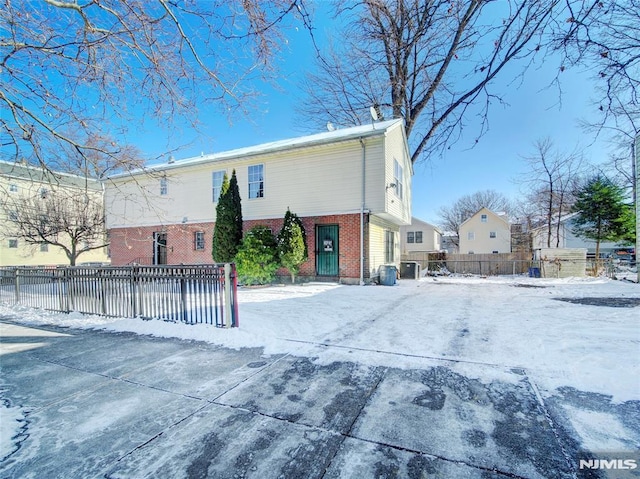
(187, 293)
(482, 264)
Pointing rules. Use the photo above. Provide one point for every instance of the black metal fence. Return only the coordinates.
(187, 293)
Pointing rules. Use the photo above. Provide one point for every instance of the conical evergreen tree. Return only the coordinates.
(227, 235)
(292, 244)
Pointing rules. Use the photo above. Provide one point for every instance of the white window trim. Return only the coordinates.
(215, 197)
(195, 241)
(398, 178)
(249, 182)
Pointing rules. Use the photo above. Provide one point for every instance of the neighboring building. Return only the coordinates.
(450, 242)
(19, 181)
(350, 187)
(485, 232)
(564, 238)
(420, 236)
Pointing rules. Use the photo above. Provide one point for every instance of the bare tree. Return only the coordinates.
(64, 211)
(431, 63)
(604, 36)
(75, 72)
(551, 181)
(451, 217)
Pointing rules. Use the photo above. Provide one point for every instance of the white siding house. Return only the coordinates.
(420, 236)
(485, 232)
(350, 186)
(563, 237)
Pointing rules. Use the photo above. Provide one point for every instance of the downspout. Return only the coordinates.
(362, 216)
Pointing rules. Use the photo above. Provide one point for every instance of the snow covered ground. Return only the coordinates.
(571, 337)
(515, 322)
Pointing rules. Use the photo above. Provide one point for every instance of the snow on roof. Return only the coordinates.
(39, 174)
(343, 134)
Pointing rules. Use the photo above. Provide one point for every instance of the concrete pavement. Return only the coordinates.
(118, 405)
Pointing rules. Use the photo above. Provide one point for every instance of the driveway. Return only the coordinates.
(87, 403)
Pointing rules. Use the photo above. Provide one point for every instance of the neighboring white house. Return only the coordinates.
(350, 187)
(420, 236)
(563, 237)
(485, 232)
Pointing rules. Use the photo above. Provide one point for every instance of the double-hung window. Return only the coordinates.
(256, 181)
(397, 178)
(410, 237)
(217, 178)
(389, 246)
(198, 240)
(163, 186)
(418, 236)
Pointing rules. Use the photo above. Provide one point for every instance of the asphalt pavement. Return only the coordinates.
(96, 404)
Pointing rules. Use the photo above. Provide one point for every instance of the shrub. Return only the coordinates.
(257, 259)
(227, 235)
(292, 244)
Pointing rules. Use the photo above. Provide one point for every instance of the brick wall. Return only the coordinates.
(136, 244)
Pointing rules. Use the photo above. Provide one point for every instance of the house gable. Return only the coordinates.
(485, 232)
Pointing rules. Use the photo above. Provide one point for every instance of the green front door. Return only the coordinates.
(327, 250)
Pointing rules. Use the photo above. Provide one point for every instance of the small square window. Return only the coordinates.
(198, 240)
(13, 243)
(44, 193)
(471, 235)
(418, 236)
(13, 188)
(44, 247)
(492, 234)
(410, 237)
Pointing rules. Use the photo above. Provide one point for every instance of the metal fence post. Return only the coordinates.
(17, 283)
(227, 295)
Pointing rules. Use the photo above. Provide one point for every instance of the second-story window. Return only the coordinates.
(410, 236)
(13, 188)
(397, 178)
(217, 177)
(483, 218)
(163, 186)
(418, 236)
(256, 181)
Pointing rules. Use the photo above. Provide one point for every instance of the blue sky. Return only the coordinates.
(535, 111)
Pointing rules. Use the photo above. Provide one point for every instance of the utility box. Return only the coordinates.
(410, 270)
(388, 274)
